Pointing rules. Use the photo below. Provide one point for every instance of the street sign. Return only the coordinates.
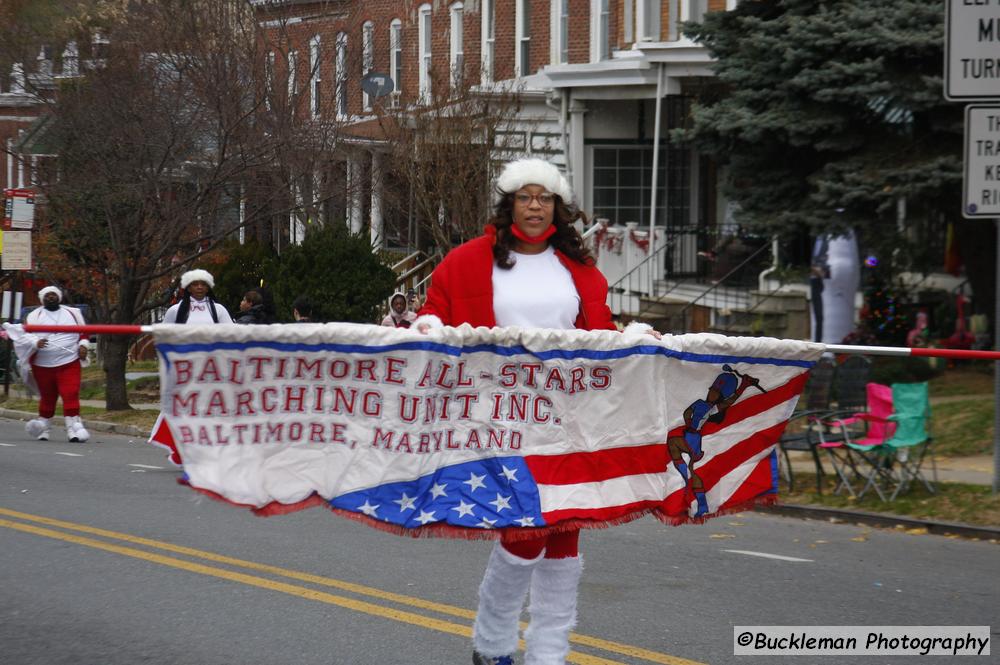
(19, 209)
(377, 85)
(972, 50)
(16, 251)
(981, 190)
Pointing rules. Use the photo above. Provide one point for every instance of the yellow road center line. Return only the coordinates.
(585, 640)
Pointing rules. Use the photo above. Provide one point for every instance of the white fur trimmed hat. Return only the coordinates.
(197, 276)
(47, 290)
(533, 171)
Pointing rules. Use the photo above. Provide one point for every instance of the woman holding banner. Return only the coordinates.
(493, 281)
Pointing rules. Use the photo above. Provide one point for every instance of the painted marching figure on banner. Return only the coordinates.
(493, 281)
(723, 393)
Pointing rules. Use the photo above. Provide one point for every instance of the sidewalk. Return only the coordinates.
(974, 470)
(99, 403)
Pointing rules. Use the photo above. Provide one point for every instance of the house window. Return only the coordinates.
(396, 55)
(600, 40)
(488, 39)
(647, 20)
(293, 57)
(694, 10)
(559, 52)
(457, 50)
(623, 177)
(314, 76)
(424, 37)
(367, 58)
(522, 28)
(341, 88)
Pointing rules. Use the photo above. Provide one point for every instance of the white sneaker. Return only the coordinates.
(75, 431)
(38, 429)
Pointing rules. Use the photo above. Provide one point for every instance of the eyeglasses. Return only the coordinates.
(545, 199)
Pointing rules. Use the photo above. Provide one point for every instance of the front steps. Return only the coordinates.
(686, 307)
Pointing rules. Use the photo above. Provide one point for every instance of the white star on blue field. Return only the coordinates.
(483, 494)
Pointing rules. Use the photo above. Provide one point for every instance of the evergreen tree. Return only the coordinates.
(238, 268)
(337, 271)
(829, 114)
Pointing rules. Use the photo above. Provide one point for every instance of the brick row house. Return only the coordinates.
(586, 74)
(598, 84)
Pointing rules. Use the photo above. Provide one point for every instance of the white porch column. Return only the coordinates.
(354, 180)
(10, 163)
(378, 232)
(20, 167)
(577, 109)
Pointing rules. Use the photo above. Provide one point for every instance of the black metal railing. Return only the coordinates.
(725, 295)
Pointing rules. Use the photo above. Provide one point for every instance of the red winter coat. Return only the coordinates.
(461, 289)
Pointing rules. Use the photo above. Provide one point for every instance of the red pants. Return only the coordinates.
(560, 545)
(56, 382)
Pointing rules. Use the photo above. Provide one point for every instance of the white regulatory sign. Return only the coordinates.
(981, 190)
(972, 50)
(16, 251)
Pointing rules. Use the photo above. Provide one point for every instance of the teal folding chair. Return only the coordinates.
(898, 461)
(912, 440)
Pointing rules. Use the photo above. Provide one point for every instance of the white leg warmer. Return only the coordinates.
(501, 598)
(75, 430)
(553, 610)
(38, 428)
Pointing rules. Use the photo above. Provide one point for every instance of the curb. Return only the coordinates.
(92, 425)
(883, 520)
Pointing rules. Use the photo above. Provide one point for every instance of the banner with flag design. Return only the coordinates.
(467, 431)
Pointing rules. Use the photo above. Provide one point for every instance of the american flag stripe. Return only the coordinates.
(573, 468)
(755, 404)
(640, 487)
(608, 514)
(712, 469)
(760, 481)
(739, 481)
(581, 467)
(621, 496)
(722, 473)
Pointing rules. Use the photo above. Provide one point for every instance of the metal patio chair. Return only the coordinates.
(898, 462)
(802, 437)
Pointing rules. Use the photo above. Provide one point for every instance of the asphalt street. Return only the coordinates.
(107, 560)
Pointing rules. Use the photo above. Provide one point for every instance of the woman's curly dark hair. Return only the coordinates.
(566, 239)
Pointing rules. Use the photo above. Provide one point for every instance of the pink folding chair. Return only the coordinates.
(849, 438)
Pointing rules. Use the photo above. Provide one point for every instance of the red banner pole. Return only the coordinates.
(916, 352)
(90, 329)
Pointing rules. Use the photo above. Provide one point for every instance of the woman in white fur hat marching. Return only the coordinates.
(55, 361)
(494, 280)
(197, 306)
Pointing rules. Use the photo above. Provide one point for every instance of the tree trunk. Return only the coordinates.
(114, 351)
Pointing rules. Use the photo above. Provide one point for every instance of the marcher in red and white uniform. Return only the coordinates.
(530, 269)
(55, 361)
